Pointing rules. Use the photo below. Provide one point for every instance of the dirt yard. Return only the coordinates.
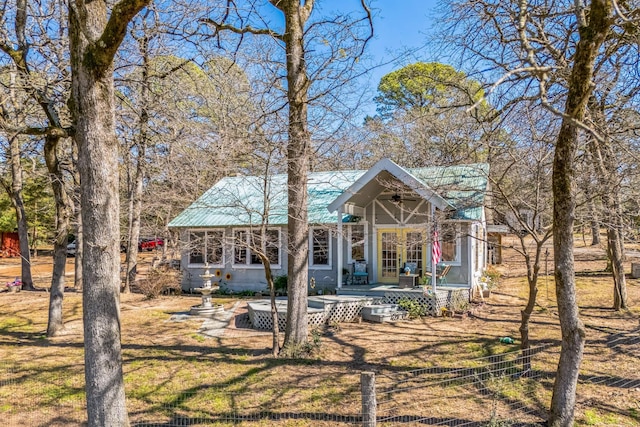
(162, 356)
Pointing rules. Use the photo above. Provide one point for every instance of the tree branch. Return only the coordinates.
(100, 54)
(244, 30)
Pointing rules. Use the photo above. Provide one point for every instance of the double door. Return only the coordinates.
(395, 248)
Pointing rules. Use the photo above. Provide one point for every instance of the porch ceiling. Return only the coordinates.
(378, 179)
(372, 189)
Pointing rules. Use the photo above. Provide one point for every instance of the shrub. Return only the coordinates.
(413, 307)
(159, 281)
(491, 277)
(280, 283)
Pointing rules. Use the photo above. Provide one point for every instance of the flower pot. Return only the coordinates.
(15, 288)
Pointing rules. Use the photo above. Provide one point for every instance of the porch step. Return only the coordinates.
(383, 313)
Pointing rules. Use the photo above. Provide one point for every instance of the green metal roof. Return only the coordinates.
(237, 201)
(464, 186)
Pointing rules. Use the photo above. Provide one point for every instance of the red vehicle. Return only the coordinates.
(150, 244)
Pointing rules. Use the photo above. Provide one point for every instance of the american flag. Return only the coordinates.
(436, 252)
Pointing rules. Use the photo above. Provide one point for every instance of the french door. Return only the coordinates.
(397, 246)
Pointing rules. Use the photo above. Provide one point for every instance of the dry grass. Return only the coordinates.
(170, 364)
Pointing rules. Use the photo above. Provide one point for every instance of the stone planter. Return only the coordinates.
(15, 288)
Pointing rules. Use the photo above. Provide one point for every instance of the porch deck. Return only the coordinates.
(449, 296)
(348, 304)
(379, 289)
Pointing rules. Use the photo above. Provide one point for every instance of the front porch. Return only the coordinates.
(348, 304)
(451, 296)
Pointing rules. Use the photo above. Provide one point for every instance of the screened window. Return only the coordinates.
(247, 245)
(450, 242)
(206, 247)
(356, 242)
(320, 248)
(414, 247)
(240, 247)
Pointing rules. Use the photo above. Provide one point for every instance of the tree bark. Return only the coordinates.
(63, 213)
(594, 224)
(77, 214)
(94, 41)
(15, 194)
(533, 270)
(296, 15)
(573, 333)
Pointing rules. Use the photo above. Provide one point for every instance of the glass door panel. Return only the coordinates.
(388, 256)
(414, 249)
(395, 247)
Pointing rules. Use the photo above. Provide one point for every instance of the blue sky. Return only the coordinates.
(399, 25)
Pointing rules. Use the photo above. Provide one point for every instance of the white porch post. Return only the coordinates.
(434, 275)
(339, 242)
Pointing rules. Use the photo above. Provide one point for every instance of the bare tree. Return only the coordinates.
(521, 197)
(296, 38)
(548, 52)
(45, 84)
(592, 32)
(95, 33)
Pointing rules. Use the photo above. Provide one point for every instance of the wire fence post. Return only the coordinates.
(368, 391)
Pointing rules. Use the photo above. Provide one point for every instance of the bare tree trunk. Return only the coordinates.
(77, 278)
(77, 214)
(63, 214)
(135, 193)
(595, 225)
(298, 153)
(533, 270)
(605, 163)
(135, 209)
(573, 333)
(275, 343)
(94, 41)
(21, 218)
(615, 251)
(15, 194)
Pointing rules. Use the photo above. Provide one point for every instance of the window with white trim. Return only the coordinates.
(320, 247)
(357, 236)
(206, 247)
(450, 242)
(246, 246)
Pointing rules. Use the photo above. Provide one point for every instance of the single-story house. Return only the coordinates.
(384, 218)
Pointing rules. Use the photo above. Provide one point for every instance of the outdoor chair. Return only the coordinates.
(360, 275)
(441, 274)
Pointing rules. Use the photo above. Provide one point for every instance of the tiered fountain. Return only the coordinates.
(206, 309)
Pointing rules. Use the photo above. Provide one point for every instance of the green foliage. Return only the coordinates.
(38, 201)
(413, 307)
(425, 84)
(491, 277)
(7, 214)
(280, 283)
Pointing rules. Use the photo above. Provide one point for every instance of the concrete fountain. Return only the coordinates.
(206, 309)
